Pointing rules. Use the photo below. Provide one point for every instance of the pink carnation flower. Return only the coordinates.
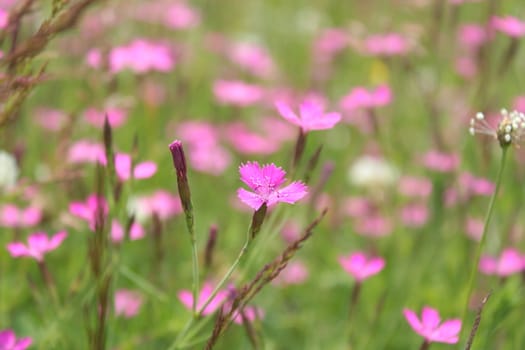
(429, 326)
(361, 97)
(509, 25)
(127, 303)
(472, 36)
(253, 58)
(441, 162)
(85, 151)
(50, 119)
(311, 116)
(248, 142)
(181, 16)
(8, 341)
(118, 232)
(94, 210)
(295, 272)
(265, 182)
(141, 56)
(509, 262)
(161, 203)
(4, 18)
(476, 185)
(414, 215)
(250, 313)
(12, 216)
(116, 117)
(417, 187)
(186, 298)
(38, 244)
(361, 267)
(391, 44)
(141, 170)
(373, 225)
(237, 93)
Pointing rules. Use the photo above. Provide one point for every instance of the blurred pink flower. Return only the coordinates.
(141, 170)
(373, 225)
(12, 216)
(471, 36)
(116, 117)
(311, 116)
(360, 266)
(476, 185)
(250, 313)
(237, 93)
(429, 326)
(213, 160)
(253, 58)
(141, 56)
(390, 44)
(127, 303)
(248, 142)
(360, 97)
(265, 182)
(474, 228)
(415, 187)
(414, 215)
(277, 129)
(440, 162)
(290, 231)
(94, 58)
(198, 133)
(459, 2)
(186, 298)
(38, 244)
(50, 119)
(509, 262)
(94, 210)
(4, 18)
(118, 232)
(357, 207)
(508, 25)
(329, 43)
(8, 341)
(85, 151)
(161, 203)
(519, 103)
(295, 272)
(466, 67)
(180, 15)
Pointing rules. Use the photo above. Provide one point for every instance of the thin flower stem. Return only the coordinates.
(195, 284)
(425, 345)
(472, 279)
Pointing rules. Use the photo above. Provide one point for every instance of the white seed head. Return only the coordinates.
(480, 116)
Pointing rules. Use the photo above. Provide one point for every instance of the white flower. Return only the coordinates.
(371, 172)
(510, 130)
(8, 170)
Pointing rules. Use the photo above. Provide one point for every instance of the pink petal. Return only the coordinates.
(413, 320)
(327, 121)
(7, 339)
(31, 216)
(117, 231)
(286, 112)
(448, 332)
(289, 194)
(430, 318)
(123, 166)
(79, 209)
(57, 240)
(374, 266)
(136, 232)
(488, 265)
(510, 262)
(273, 175)
(23, 343)
(250, 174)
(186, 298)
(145, 170)
(251, 199)
(17, 249)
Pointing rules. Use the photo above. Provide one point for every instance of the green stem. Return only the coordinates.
(472, 279)
(195, 263)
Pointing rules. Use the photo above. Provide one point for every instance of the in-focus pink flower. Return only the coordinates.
(127, 303)
(180, 15)
(237, 93)
(85, 151)
(414, 215)
(295, 272)
(360, 266)
(311, 116)
(12, 216)
(265, 182)
(186, 298)
(141, 56)
(8, 341)
(441, 162)
(508, 25)
(141, 170)
(429, 326)
(390, 44)
(118, 232)
(38, 244)
(362, 98)
(415, 187)
(116, 116)
(509, 262)
(94, 210)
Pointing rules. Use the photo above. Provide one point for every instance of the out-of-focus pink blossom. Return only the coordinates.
(329, 43)
(94, 58)
(237, 93)
(250, 314)
(414, 215)
(4, 18)
(12, 216)
(253, 58)
(84, 151)
(474, 228)
(357, 207)
(466, 67)
(440, 162)
(118, 232)
(431, 328)
(519, 103)
(373, 225)
(8, 341)
(472, 36)
(116, 116)
(213, 160)
(186, 298)
(198, 133)
(459, 2)
(476, 185)
(291, 231)
(295, 272)
(360, 266)
(38, 244)
(50, 119)
(362, 98)
(508, 25)
(141, 56)
(277, 129)
(311, 116)
(127, 303)
(94, 210)
(265, 182)
(415, 187)
(161, 203)
(141, 170)
(247, 142)
(508, 263)
(180, 15)
(390, 44)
